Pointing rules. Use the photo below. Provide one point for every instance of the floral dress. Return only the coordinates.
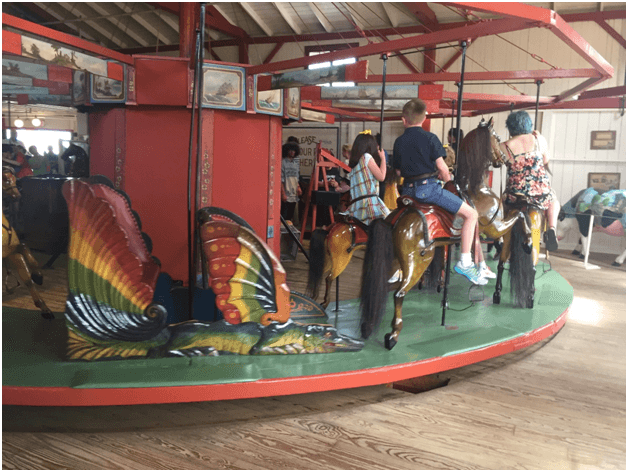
(527, 177)
(364, 184)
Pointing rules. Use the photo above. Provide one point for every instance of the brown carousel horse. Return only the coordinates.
(410, 236)
(332, 249)
(18, 253)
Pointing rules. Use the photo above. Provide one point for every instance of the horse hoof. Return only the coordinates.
(389, 342)
(37, 278)
(616, 264)
(581, 256)
(47, 315)
(575, 253)
(530, 303)
(497, 298)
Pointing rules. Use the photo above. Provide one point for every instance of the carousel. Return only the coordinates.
(174, 194)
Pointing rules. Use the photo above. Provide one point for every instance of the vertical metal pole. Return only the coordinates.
(448, 249)
(381, 118)
(191, 234)
(588, 247)
(538, 97)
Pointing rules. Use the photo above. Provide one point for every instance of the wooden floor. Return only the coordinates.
(560, 404)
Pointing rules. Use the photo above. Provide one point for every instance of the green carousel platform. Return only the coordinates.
(34, 371)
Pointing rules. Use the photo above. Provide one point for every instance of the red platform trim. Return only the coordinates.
(11, 43)
(66, 396)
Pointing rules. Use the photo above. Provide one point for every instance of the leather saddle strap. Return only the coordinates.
(362, 198)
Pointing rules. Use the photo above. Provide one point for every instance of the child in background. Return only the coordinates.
(290, 170)
(368, 168)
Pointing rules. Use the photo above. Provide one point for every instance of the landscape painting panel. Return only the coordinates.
(223, 87)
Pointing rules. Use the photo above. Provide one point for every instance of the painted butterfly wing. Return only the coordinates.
(248, 280)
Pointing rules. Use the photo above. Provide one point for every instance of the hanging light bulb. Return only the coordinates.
(18, 123)
(36, 122)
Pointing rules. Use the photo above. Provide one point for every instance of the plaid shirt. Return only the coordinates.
(363, 182)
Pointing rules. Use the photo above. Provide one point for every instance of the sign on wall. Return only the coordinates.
(308, 139)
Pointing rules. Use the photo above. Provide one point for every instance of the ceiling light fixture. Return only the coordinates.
(36, 122)
(18, 123)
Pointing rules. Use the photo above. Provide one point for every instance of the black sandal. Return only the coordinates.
(551, 243)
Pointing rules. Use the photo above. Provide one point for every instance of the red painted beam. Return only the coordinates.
(485, 97)
(587, 84)
(587, 104)
(488, 75)
(272, 53)
(595, 16)
(423, 13)
(453, 58)
(401, 30)
(508, 9)
(66, 39)
(600, 93)
(550, 19)
(221, 22)
(612, 32)
(476, 30)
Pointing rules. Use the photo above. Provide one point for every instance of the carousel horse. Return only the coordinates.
(609, 210)
(18, 253)
(331, 250)
(409, 237)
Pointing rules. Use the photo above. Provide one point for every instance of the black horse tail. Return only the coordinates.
(522, 269)
(317, 262)
(375, 274)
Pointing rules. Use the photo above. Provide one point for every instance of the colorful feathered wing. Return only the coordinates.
(111, 277)
(248, 280)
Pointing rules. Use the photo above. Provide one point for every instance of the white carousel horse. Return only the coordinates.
(609, 210)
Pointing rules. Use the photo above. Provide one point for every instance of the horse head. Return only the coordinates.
(478, 150)
(9, 184)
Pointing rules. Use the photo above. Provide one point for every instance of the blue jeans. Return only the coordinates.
(431, 191)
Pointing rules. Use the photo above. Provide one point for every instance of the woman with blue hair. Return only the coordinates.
(527, 158)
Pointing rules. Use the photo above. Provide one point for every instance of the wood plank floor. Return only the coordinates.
(560, 404)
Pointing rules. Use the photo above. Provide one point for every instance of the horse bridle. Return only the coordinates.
(501, 157)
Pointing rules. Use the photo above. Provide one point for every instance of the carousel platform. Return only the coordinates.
(34, 371)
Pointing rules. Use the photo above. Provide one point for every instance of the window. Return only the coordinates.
(316, 50)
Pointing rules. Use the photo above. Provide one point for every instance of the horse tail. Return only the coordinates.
(522, 269)
(317, 261)
(375, 273)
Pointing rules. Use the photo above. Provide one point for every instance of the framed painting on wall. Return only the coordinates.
(604, 180)
(106, 90)
(269, 102)
(293, 103)
(223, 87)
(79, 87)
(603, 140)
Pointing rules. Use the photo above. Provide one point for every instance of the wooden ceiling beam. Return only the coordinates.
(285, 14)
(322, 19)
(248, 8)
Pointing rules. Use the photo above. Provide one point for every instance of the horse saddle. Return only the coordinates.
(359, 230)
(440, 223)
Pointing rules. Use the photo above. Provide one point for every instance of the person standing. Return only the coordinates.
(53, 160)
(290, 171)
(38, 163)
(418, 155)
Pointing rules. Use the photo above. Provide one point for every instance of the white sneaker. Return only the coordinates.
(487, 273)
(470, 273)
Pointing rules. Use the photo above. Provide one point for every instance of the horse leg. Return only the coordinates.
(337, 258)
(503, 257)
(24, 273)
(579, 246)
(412, 271)
(33, 265)
(5, 264)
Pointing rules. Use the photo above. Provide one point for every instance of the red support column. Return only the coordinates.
(243, 50)
(188, 18)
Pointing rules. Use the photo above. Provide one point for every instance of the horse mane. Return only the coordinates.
(474, 158)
